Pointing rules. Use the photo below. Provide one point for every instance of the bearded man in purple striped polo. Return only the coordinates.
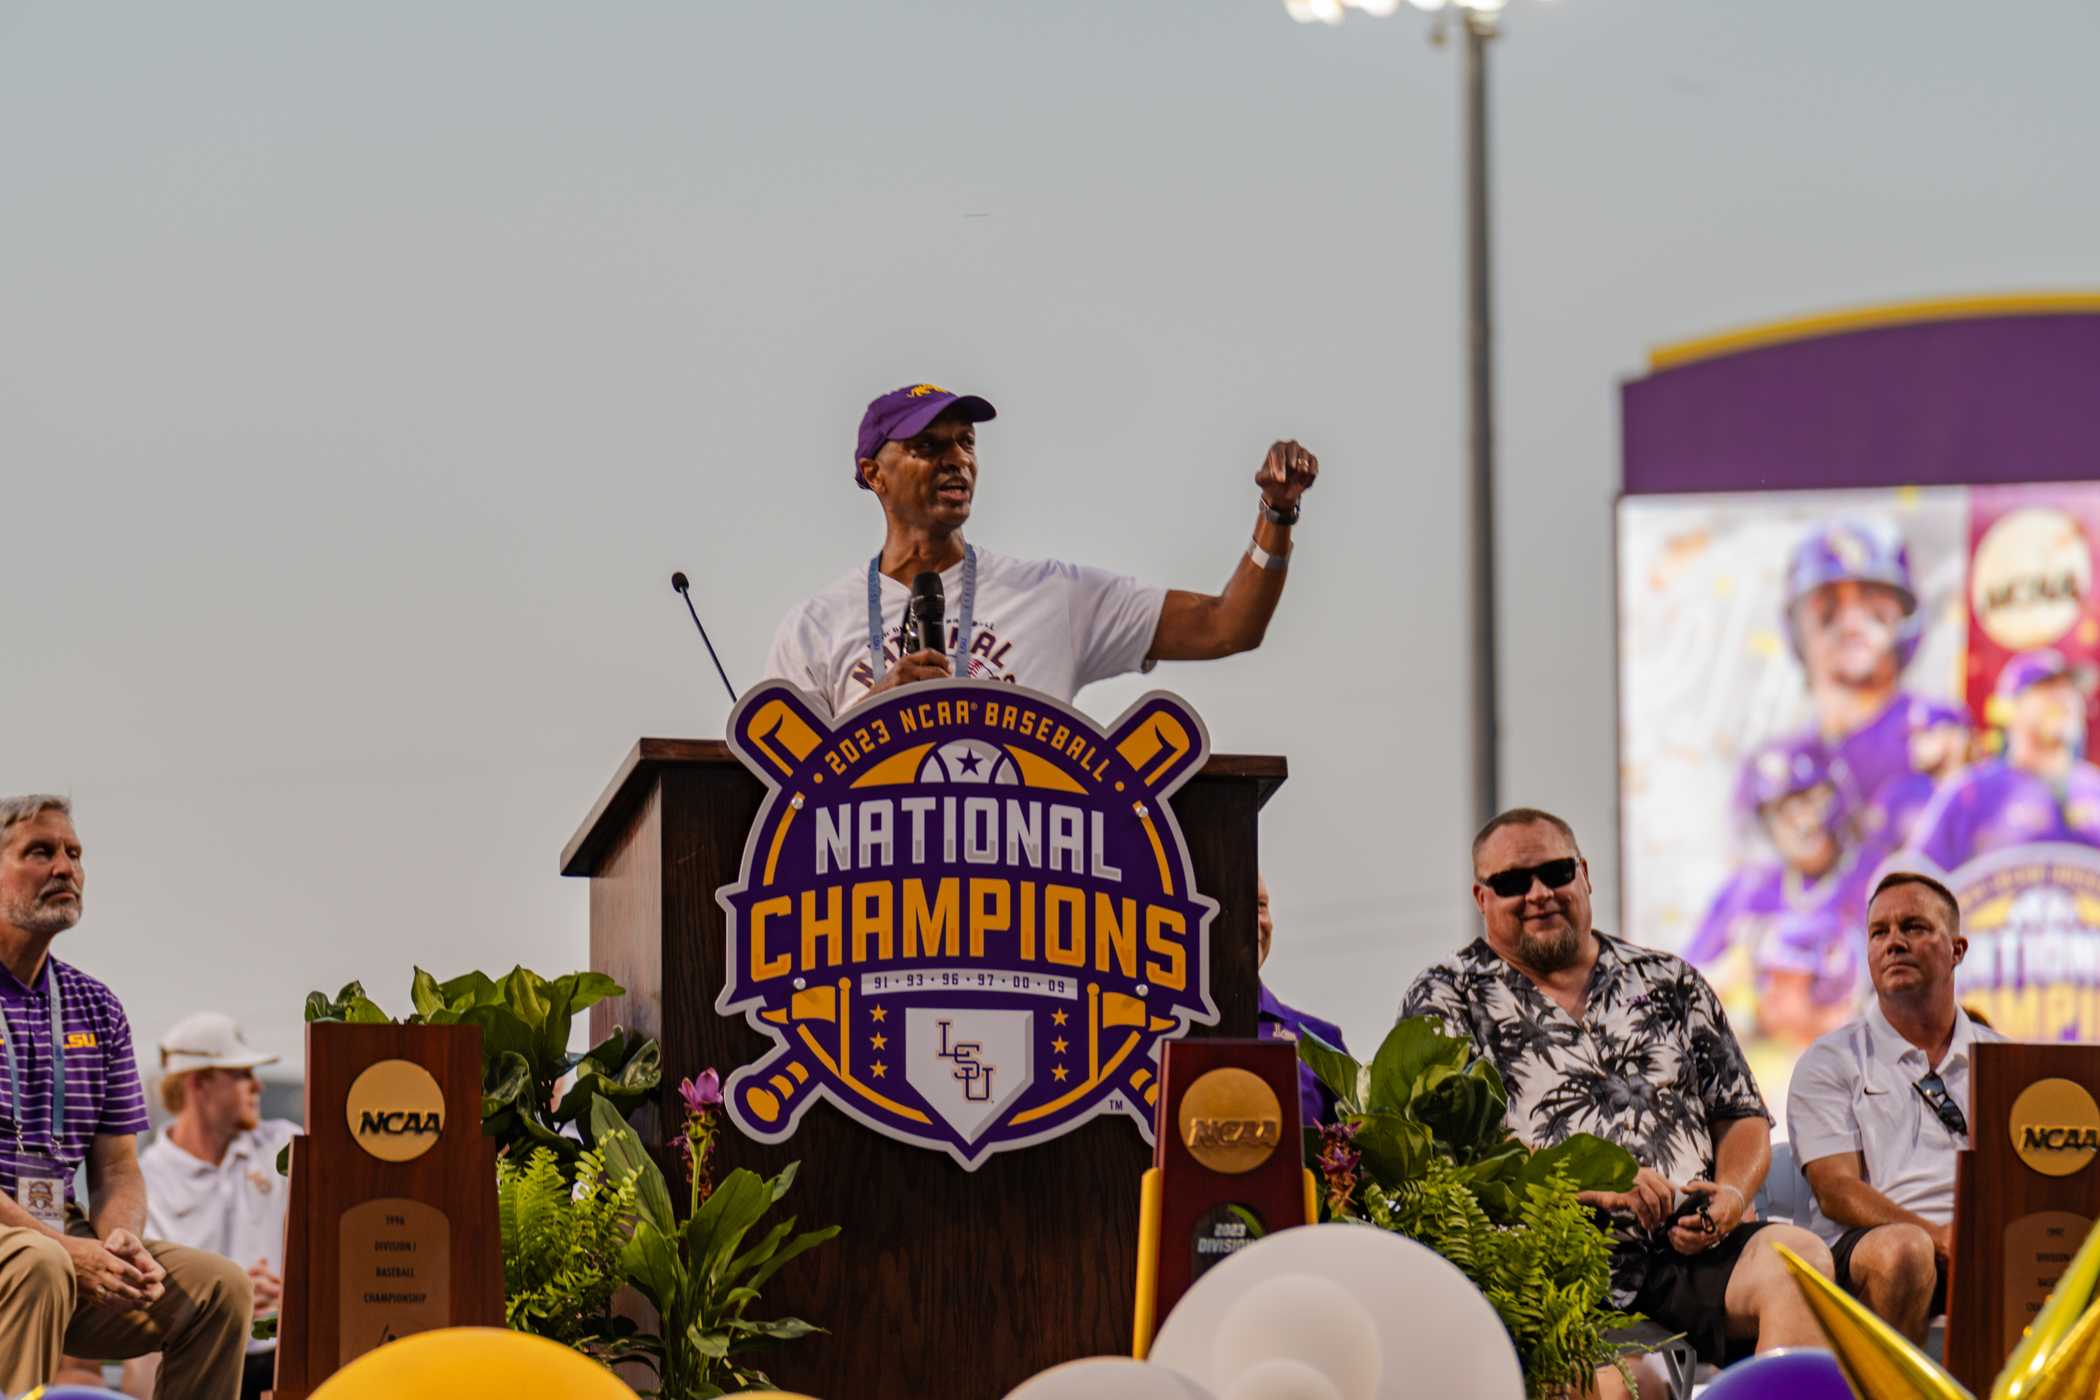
(75, 1274)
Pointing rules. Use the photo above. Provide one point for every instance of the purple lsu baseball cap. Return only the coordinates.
(904, 413)
(2031, 668)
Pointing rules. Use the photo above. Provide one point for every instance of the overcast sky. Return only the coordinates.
(366, 369)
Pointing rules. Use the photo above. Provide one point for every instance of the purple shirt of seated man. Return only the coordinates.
(1281, 1022)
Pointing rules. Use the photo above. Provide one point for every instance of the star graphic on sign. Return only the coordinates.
(1058, 1072)
(1058, 1045)
(969, 762)
(878, 1041)
(878, 1069)
(1057, 1017)
(878, 1013)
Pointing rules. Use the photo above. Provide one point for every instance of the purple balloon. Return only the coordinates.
(1790, 1373)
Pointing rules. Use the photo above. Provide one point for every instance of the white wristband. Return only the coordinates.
(1272, 563)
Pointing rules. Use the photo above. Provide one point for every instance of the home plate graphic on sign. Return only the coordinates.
(966, 914)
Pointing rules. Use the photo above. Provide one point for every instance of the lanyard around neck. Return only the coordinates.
(961, 654)
(56, 1121)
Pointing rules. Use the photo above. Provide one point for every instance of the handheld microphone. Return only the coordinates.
(679, 582)
(923, 624)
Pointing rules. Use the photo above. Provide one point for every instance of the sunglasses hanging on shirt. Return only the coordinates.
(1933, 1090)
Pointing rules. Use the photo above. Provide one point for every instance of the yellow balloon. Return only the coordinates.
(472, 1363)
(2074, 1368)
(2057, 1359)
(1880, 1363)
(2033, 1362)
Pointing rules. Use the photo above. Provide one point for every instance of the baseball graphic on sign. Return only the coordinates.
(966, 915)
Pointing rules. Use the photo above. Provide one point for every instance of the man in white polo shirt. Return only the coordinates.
(1879, 1107)
(211, 1175)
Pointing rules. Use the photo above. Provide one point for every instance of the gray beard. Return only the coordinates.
(41, 920)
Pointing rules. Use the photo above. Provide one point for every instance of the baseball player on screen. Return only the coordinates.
(1852, 616)
(1790, 917)
(2041, 788)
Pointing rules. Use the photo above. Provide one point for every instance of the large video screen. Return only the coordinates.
(1818, 686)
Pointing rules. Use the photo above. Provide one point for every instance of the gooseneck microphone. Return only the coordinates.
(923, 625)
(679, 582)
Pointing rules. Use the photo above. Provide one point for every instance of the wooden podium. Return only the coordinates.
(391, 1228)
(2025, 1195)
(942, 1283)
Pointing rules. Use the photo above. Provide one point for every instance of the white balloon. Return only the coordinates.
(1282, 1380)
(1436, 1335)
(1308, 1319)
(1110, 1378)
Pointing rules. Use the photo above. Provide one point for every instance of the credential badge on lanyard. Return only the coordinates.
(40, 1185)
(960, 657)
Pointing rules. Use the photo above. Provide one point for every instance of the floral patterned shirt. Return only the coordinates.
(1652, 1067)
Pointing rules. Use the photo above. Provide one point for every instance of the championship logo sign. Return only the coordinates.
(2032, 916)
(966, 914)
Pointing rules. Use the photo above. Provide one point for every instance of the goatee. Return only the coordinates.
(1551, 952)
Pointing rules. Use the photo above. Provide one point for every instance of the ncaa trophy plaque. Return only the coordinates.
(392, 1226)
(1228, 1167)
(2026, 1193)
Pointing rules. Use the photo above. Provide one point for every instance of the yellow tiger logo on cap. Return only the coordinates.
(920, 391)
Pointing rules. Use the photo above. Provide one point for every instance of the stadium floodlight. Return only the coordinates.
(1479, 21)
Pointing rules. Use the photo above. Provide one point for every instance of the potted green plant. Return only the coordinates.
(525, 1021)
(1422, 1146)
(704, 1273)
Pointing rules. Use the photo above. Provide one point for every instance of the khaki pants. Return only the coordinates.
(200, 1324)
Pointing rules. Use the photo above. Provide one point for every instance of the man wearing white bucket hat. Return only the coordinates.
(211, 1175)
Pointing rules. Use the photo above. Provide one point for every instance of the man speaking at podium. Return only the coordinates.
(1048, 625)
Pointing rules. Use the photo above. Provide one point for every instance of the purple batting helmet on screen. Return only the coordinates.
(1783, 767)
(2032, 668)
(907, 412)
(1856, 551)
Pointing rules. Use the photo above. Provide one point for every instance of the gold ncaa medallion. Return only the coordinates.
(1231, 1121)
(396, 1110)
(2056, 1126)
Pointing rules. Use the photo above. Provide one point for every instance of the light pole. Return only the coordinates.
(1477, 22)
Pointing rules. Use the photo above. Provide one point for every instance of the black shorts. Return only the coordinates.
(1841, 1253)
(258, 1374)
(1688, 1293)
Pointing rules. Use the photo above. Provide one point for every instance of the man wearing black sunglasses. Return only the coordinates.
(1877, 1109)
(1594, 1034)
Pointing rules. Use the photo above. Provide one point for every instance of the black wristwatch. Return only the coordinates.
(1278, 517)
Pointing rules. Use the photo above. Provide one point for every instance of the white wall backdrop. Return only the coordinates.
(365, 371)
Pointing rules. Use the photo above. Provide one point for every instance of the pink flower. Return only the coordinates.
(702, 1093)
(1338, 1161)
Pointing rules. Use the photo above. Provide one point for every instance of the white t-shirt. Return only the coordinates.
(1855, 1090)
(1047, 625)
(236, 1208)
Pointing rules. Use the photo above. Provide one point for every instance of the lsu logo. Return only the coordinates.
(2032, 914)
(966, 914)
(80, 1040)
(920, 391)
